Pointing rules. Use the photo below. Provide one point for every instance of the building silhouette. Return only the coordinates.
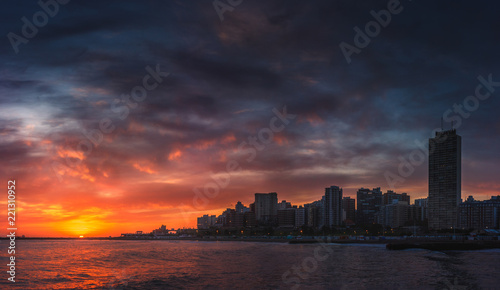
(369, 203)
(300, 216)
(390, 196)
(349, 207)
(239, 207)
(393, 215)
(286, 217)
(423, 205)
(333, 206)
(480, 214)
(266, 208)
(445, 163)
(284, 205)
(206, 221)
(314, 214)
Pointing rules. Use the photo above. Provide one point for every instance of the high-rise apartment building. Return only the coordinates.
(300, 216)
(333, 206)
(445, 163)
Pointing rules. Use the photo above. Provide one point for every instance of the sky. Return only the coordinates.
(119, 116)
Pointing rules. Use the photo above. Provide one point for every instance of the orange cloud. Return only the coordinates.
(228, 138)
(144, 168)
(281, 140)
(176, 154)
(312, 119)
(81, 171)
(63, 153)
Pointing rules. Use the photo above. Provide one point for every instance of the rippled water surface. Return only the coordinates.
(83, 264)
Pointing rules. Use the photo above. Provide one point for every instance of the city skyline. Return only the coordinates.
(123, 116)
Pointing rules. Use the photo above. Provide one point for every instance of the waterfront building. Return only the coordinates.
(206, 221)
(286, 217)
(369, 203)
(266, 208)
(250, 221)
(390, 196)
(445, 163)
(314, 214)
(300, 216)
(393, 215)
(480, 215)
(236, 219)
(349, 210)
(423, 205)
(161, 231)
(333, 206)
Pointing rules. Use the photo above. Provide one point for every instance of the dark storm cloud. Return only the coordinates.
(226, 77)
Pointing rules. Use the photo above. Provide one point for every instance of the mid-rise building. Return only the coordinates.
(236, 219)
(300, 217)
(349, 209)
(241, 208)
(314, 214)
(369, 203)
(206, 221)
(393, 215)
(480, 215)
(286, 217)
(284, 205)
(250, 221)
(421, 204)
(266, 208)
(390, 196)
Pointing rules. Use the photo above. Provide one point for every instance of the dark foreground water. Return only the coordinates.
(83, 264)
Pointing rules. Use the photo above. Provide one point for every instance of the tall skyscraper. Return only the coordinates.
(333, 206)
(445, 171)
(266, 207)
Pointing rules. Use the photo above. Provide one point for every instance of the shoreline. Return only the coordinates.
(391, 244)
